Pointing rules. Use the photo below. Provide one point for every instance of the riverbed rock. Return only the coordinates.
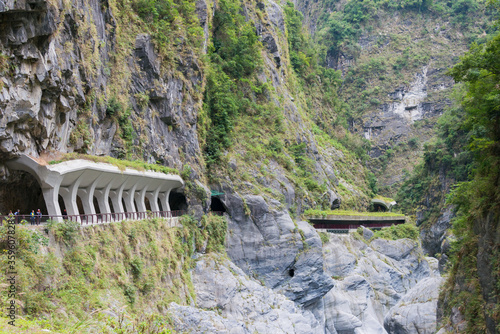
(243, 304)
(370, 279)
(415, 313)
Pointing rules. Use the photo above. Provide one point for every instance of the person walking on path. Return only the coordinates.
(38, 217)
(32, 217)
(17, 214)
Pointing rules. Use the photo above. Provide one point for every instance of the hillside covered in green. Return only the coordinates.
(273, 111)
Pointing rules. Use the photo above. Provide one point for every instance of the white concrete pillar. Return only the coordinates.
(153, 200)
(69, 203)
(87, 197)
(69, 196)
(164, 200)
(139, 199)
(128, 197)
(51, 197)
(116, 198)
(102, 196)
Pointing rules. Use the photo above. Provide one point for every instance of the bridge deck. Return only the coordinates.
(336, 223)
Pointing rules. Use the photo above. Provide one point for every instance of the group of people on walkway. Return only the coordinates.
(35, 217)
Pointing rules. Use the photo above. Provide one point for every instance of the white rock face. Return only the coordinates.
(415, 313)
(409, 105)
(371, 281)
(242, 304)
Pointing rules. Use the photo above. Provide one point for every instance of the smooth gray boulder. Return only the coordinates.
(243, 304)
(415, 313)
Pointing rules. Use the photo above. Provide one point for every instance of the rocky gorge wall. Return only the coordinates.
(91, 77)
(378, 286)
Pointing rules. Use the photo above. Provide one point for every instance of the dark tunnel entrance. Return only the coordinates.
(379, 208)
(217, 205)
(21, 191)
(177, 201)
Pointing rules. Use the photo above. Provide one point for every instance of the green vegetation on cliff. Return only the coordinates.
(91, 277)
(476, 251)
(465, 157)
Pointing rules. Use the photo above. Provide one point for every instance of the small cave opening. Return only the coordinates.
(177, 201)
(291, 272)
(21, 191)
(216, 205)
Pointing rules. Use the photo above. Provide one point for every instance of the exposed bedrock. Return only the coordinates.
(371, 280)
(243, 305)
(264, 241)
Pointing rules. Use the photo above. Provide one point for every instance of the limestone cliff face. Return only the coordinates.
(89, 77)
(395, 73)
(63, 62)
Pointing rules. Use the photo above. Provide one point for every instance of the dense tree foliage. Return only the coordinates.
(234, 56)
(478, 200)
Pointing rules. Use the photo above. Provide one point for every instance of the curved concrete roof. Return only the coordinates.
(387, 205)
(83, 178)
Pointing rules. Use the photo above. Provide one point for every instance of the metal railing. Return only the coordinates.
(92, 219)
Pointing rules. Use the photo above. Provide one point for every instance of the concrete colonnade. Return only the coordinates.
(87, 179)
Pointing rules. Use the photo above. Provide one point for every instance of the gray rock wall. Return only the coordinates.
(228, 301)
(371, 279)
(267, 244)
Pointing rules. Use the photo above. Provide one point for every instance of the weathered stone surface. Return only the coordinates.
(367, 233)
(434, 235)
(415, 313)
(370, 279)
(266, 243)
(244, 305)
(188, 319)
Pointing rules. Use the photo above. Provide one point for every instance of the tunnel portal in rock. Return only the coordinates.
(177, 201)
(216, 205)
(21, 191)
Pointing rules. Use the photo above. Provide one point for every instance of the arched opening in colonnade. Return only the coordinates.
(96, 206)
(79, 204)
(62, 206)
